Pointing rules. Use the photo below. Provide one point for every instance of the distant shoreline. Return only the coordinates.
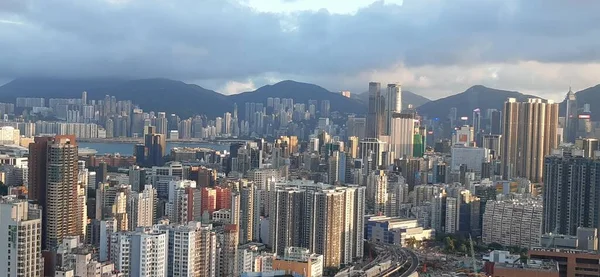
(140, 140)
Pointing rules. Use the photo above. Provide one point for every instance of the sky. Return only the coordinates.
(432, 47)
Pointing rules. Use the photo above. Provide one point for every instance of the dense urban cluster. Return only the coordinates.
(301, 190)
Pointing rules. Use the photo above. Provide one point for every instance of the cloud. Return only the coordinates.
(233, 87)
(433, 45)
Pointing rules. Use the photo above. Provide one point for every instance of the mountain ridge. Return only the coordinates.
(477, 96)
(172, 96)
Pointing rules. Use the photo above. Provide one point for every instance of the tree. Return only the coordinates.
(450, 247)
(411, 242)
(495, 246)
(463, 248)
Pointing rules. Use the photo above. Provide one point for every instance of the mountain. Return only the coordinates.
(301, 93)
(56, 88)
(408, 97)
(150, 94)
(172, 96)
(588, 96)
(475, 97)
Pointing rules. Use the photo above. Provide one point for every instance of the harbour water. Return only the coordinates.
(126, 148)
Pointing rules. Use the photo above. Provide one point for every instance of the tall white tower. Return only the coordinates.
(21, 237)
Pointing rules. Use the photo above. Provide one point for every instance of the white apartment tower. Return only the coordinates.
(402, 135)
(21, 237)
(393, 104)
(141, 253)
(82, 181)
(141, 208)
(184, 248)
(179, 205)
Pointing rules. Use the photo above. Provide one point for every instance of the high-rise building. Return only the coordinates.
(393, 105)
(229, 246)
(180, 206)
(329, 223)
(477, 126)
(376, 113)
(571, 117)
(590, 147)
(246, 227)
(372, 150)
(492, 142)
(102, 174)
(353, 146)
(185, 252)
(325, 107)
(207, 251)
(496, 122)
(37, 164)
(337, 168)
(570, 192)
(140, 253)
(286, 221)
(119, 211)
(53, 179)
(529, 134)
(156, 147)
(327, 220)
(227, 123)
(21, 236)
(162, 124)
(377, 192)
(142, 208)
(513, 222)
(402, 135)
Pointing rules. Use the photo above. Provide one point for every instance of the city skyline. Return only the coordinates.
(111, 167)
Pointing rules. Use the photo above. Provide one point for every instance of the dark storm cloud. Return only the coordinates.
(219, 39)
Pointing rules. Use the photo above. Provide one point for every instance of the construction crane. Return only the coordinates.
(473, 255)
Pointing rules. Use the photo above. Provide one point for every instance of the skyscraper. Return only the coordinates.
(393, 105)
(329, 226)
(246, 227)
(530, 133)
(337, 168)
(229, 244)
(377, 191)
(328, 220)
(496, 122)
(156, 145)
(571, 117)
(37, 164)
(142, 208)
(376, 113)
(571, 194)
(20, 233)
(402, 135)
(477, 126)
(227, 123)
(161, 124)
(54, 184)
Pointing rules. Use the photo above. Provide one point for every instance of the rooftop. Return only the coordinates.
(535, 265)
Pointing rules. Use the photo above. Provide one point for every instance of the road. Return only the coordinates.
(392, 260)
